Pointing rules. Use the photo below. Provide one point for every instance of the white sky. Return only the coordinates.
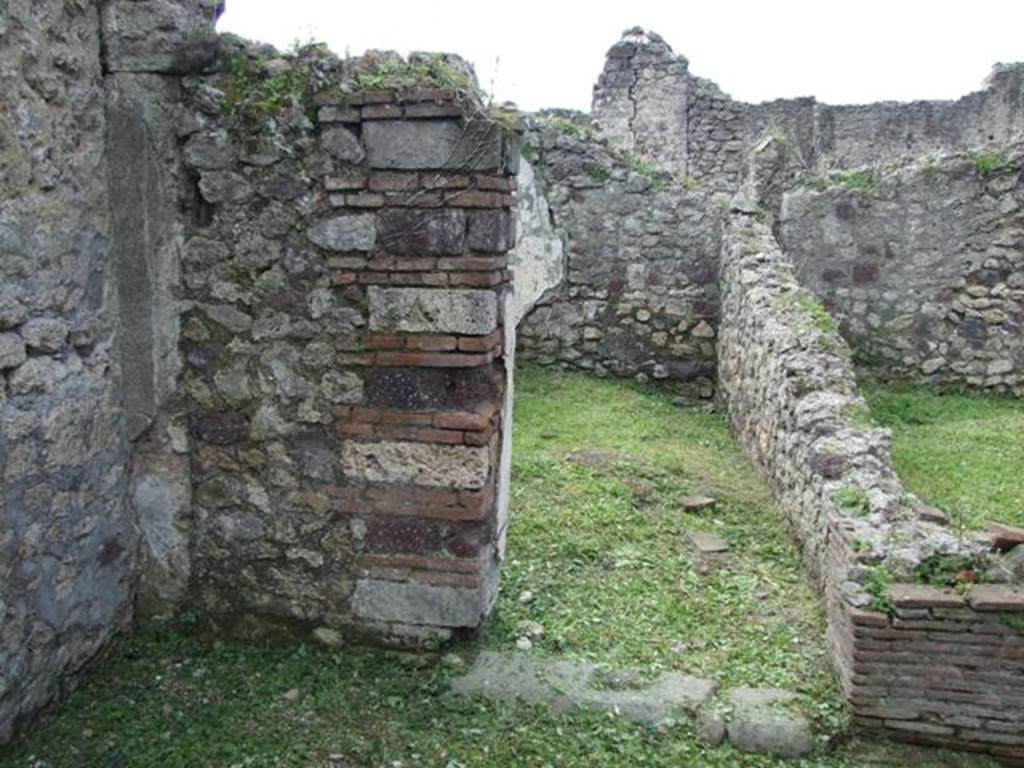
(548, 54)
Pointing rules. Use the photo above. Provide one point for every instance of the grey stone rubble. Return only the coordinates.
(752, 719)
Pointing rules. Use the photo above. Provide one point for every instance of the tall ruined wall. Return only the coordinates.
(344, 349)
(695, 129)
(640, 295)
(66, 541)
(919, 663)
(923, 266)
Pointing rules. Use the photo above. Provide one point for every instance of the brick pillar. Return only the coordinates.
(420, 232)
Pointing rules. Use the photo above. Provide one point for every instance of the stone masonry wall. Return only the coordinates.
(67, 545)
(640, 295)
(646, 101)
(923, 266)
(916, 662)
(344, 348)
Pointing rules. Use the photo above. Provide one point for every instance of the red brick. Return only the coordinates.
(431, 343)
(441, 181)
(923, 596)
(344, 278)
(336, 114)
(398, 535)
(381, 112)
(373, 278)
(462, 420)
(446, 579)
(996, 597)
(372, 97)
(400, 496)
(418, 199)
(433, 359)
(477, 438)
(394, 181)
(354, 429)
(364, 200)
(446, 436)
(384, 341)
(474, 279)
(433, 109)
(403, 264)
(473, 263)
(432, 279)
(355, 359)
(343, 183)
(494, 183)
(427, 94)
(347, 262)
(476, 199)
(479, 501)
(480, 343)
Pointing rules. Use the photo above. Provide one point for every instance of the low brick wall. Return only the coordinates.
(347, 369)
(935, 667)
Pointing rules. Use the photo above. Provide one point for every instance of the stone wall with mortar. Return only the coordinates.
(916, 662)
(647, 101)
(345, 369)
(640, 294)
(66, 539)
(923, 266)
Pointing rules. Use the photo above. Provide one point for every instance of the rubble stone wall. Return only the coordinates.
(916, 662)
(923, 266)
(346, 372)
(640, 294)
(67, 544)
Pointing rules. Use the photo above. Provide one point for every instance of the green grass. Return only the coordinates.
(961, 453)
(988, 163)
(597, 538)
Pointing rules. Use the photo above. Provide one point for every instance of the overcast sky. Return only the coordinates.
(548, 53)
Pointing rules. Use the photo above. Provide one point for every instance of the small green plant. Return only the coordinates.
(876, 583)
(599, 174)
(812, 309)
(1014, 621)
(252, 95)
(508, 117)
(528, 150)
(862, 180)
(853, 500)
(859, 545)
(427, 70)
(859, 415)
(988, 163)
(946, 570)
(569, 128)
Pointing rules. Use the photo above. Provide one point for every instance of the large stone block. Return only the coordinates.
(352, 232)
(444, 466)
(492, 231)
(413, 231)
(434, 144)
(433, 310)
(378, 600)
(423, 389)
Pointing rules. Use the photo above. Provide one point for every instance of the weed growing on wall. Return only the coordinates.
(812, 309)
(876, 583)
(853, 500)
(944, 569)
(252, 95)
(422, 71)
(989, 163)
(860, 180)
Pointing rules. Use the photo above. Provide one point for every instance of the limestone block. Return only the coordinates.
(343, 144)
(351, 232)
(414, 232)
(445, 466)
(433, 144)
(492, 231)
(378, 600)
(433, 310)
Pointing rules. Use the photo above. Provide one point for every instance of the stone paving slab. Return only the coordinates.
(753, 719)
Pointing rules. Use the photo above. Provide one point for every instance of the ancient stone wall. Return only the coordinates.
(67, 545)
(923, 265)
(916, 662)
(640, 295)
(646, 101)
(345, 365)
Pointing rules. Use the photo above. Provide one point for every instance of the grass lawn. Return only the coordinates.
(597, 537)
(961, 453)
